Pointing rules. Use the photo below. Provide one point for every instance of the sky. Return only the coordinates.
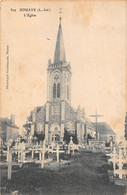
(95, 45)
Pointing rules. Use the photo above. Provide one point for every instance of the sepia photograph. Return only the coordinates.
(63, 94)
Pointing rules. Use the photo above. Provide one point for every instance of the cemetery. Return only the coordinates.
(21, 158)
(60, 151)
(117, 157)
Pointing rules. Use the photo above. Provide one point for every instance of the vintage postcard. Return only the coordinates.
(63, 117)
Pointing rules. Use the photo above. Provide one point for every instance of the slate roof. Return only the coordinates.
(59, 55)
(103, 128)
(38, 108)
(89, 123)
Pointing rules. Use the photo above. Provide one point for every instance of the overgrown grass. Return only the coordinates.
(85, 175)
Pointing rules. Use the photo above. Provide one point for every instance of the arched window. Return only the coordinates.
(58, 90)
(54, 90)
(68, 92)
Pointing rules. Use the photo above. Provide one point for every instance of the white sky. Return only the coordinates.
(95, 44)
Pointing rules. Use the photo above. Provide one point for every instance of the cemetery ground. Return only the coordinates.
(82, 174)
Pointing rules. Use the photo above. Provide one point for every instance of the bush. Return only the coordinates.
(67, 136)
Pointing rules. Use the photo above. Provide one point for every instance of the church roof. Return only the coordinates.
(59, 55)
(38, 108)
(89, 123)
(103, 128)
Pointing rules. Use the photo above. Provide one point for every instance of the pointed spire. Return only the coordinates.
(59, 55)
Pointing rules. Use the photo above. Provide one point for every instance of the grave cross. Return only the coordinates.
(96, 117)
(43, 155)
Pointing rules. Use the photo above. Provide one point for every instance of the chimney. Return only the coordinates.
(12, 119)
(33, 117)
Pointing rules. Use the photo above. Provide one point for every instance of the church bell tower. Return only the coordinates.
(59, 73)
(58, 92)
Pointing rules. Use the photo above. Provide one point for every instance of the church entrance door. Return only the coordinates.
(55, 138)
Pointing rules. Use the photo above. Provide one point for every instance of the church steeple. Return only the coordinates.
(59, 56)
(59, 73)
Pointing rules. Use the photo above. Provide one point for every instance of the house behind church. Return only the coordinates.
(105, 132)
(8, 129)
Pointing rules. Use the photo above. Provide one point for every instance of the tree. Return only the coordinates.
(75, 139)
(67, 136)
(40, 136)
(27, 126)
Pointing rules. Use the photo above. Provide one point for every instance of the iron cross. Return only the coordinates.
(96, 117)
(60, 10)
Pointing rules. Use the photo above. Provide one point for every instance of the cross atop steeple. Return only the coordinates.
(60, 10)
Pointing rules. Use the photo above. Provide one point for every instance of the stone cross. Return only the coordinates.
(9, 166)
(32, 153)
(57, 152)
(40, 156)
(43, 155)
(71, 141)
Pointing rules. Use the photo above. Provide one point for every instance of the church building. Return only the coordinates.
(58, 115)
